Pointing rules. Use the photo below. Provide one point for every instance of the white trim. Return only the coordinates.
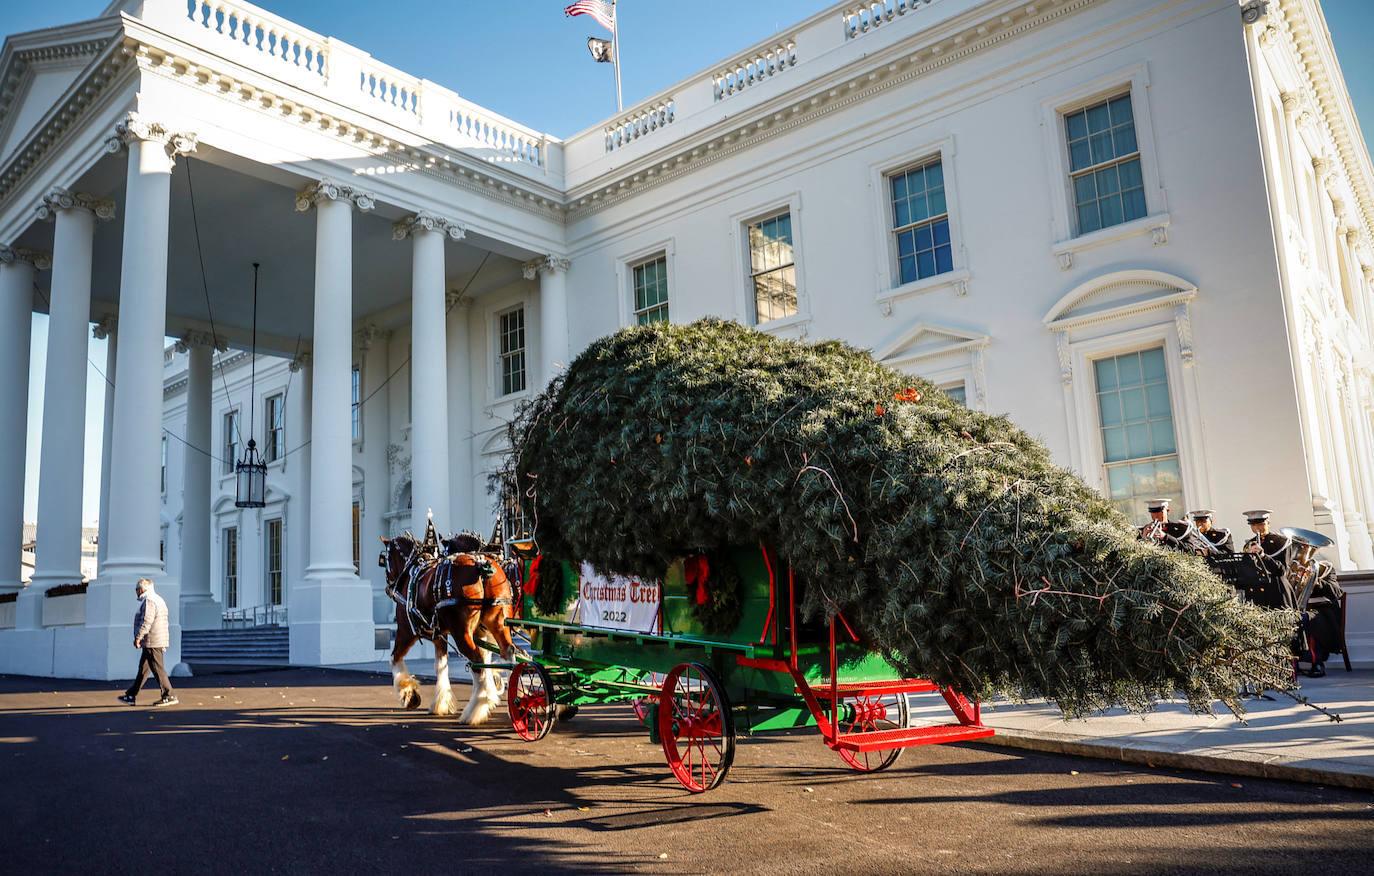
(887, 275)
(1059, 318)
(744, 293)
(624, 275)
(1066, 239)
(961, 359)
(493, 319)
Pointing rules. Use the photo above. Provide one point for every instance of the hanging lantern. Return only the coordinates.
(251, 472)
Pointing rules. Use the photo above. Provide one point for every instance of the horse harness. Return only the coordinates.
(446, 591)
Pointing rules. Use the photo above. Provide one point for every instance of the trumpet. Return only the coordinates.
(1153, 530)
(1303, 564)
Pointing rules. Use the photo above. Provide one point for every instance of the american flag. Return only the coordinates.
(601, 10)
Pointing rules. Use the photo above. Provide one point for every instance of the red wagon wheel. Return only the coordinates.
(529, 696)
(696, 726)
(868, 713)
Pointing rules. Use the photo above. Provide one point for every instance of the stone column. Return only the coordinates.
(64, 399)
(199, 608)
(372, 345)
(460, 420)
(105, 330)
(331, 609)
(429, 446)
(553, 311)
(18, 269)
(135, 433)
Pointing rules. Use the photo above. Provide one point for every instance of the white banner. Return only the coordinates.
(616, 603)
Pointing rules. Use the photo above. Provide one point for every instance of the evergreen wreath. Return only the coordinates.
(551, 590)
(720, 614)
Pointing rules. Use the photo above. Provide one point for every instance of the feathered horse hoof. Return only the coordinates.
(411, 700)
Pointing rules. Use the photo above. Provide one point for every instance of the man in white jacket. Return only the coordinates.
(152, 633)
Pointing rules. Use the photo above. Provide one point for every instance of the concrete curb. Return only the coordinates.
(1212, 760)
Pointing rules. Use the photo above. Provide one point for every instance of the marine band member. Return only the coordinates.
(1220, 540)
(1161, 530)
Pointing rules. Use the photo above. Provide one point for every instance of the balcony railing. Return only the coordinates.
(253, 616)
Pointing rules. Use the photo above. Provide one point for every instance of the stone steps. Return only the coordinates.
(258, 644)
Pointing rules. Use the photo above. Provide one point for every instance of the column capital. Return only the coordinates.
(1254, 11)
(300, 361)
(363, 337)
(413, 225)
(136, 127)
(39, 258)
(456, 299)
(60, 199)
(192, 339)
(105, 326)
(328, 190)
(549, 264)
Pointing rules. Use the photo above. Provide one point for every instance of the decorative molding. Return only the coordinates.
(1159, 235)
(549, 264)
(1255, 11)
(365, 335)
(454, 299)
(135, 127)
(1183, 322)
(1065, 353)
(300, 361)
(64, 199)
(1065, 259)
(192, 339)
(328, 190)
(411, 225)
(40, 259)
(105, 326)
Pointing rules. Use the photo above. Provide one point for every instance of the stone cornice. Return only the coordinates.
(135, 127)
(192, 339)
(411, 225)
(885, 69)
(549, 264)
(38, 258)
(60, 199)
(329, 190)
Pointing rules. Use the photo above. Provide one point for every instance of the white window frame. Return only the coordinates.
(494, 339)
(625, 276)
(267, 559)
(962, 359)
(356, 409)
(267, 443)
(1081, 340)
(797, 325)
(1156, 221)
(887, 285)
(225, 437)
(224, 565)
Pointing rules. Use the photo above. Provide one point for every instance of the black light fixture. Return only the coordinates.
(251, 471)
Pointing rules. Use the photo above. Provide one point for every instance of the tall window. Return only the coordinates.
(513, 523)
(511, 332)
(357, 540)
(1104, 164)
(357, 398)
(651, 291)
(164, 463)
(958, 392)
(920, 220)
(275, 443)
(274, 561)
(1138, 446)
(231, 441)
(772, 268)
(231, 567)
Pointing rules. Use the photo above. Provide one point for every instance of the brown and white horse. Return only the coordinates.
(463, 595)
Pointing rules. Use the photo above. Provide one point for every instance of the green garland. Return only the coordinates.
(719, 615)
(551, 591)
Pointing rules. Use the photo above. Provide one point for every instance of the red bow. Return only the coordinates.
(532, 582)
(696, 570)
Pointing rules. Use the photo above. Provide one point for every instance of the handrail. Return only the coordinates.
(248, 617)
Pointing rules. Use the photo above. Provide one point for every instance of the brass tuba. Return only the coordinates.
(1302, 560)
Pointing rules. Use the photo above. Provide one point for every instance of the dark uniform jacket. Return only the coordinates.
(1175, 535)
(1221, 538)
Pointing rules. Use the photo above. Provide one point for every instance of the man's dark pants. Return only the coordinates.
(150, 660)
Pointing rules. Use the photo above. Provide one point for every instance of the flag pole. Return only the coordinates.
(615, 54)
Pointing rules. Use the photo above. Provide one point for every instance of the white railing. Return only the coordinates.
(485, 131)
(859, 20)
(755, 67)
(642, 120)
(261, 31)
(253, 616)
(390, 86)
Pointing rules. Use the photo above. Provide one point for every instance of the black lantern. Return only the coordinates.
(251, 472)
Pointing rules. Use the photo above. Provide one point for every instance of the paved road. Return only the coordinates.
(303, 770)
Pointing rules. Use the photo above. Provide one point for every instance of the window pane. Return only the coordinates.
(1119, 481)
(958, 393)
(901, 213)
(1106, 374)
(924, 238)
(1114, 444)
(1077, 125)
(1134, 204)
(1112, 213)
(1109, 406)
(1123, 139)
(1101, 147)
(1085, 188)
(907, 269)
(1167, 476)
(1121, 109)
(925, 263)
(1099, 118)
(1088, 218)
(1130, 174)
(1128, 369)
(898, 186)
(1107, 182)
(944, 259)
(1162, 437)
(935, 174)
(937, 202)
(1132, 405)
(941, 231)
(1152, 364)
(1157, 400)
(920, 208)
(906, 243)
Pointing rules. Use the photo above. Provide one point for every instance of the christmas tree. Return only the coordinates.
(946, 536)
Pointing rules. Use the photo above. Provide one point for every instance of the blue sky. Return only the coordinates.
(525, 60)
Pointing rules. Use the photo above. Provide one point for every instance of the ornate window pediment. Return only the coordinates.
(942, 354)
(1117, 296)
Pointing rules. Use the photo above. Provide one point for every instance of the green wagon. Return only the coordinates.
(695, 692)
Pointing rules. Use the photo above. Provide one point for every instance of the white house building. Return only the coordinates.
(1144, 230)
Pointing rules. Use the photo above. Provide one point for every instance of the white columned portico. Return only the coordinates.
(199, 608)
(135, 440)
(552, 272)
(429, 446)
(18, 270)
(62, 459)
(331, 609)
(460, 416)
(105, 330)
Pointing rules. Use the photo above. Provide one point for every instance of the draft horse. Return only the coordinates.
(454, 592)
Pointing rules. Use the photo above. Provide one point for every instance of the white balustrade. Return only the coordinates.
(391, 87)
(754, 68)
(478, 128)
(859, 20)
(642, 120)
(261, 31)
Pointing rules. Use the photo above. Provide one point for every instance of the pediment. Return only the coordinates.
(1118, 294)
(924, 340)
(37, 68)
